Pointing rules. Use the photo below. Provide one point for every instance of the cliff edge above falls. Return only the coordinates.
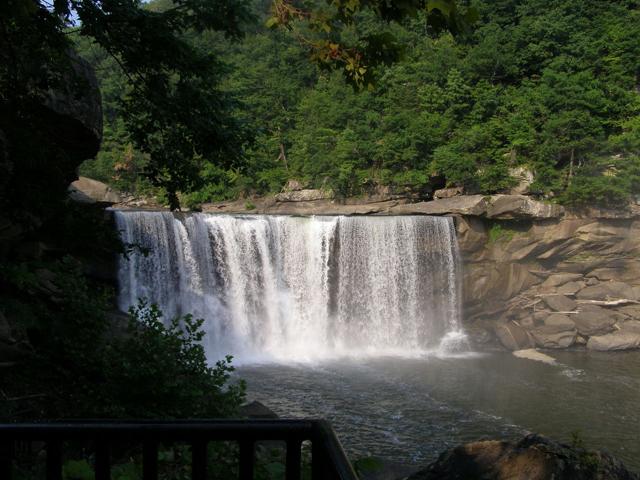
(312, 202)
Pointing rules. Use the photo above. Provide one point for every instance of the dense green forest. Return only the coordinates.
(551, 86)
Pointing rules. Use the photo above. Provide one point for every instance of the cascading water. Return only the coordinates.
(295, 288)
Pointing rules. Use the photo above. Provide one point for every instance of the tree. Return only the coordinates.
(171, 104)
(358, 53)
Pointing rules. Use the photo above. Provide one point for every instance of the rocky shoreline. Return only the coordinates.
(555, 283)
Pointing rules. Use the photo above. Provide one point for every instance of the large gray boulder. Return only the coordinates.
(619, 340)
(473, 205)
(559, 321)
(448, 192)
(607, 290)
(87, 190)
(552, 336)
(513, 337)
(520, 207)
(532, 458)
(571, 288)
(559, 279)
(630, 326)
(559, 303)
(524, 178)
(591, 323)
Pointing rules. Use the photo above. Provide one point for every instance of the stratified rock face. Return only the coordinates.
(528, 271)
(296, 201)
(532, 458)
(521, 207)
(87, 190)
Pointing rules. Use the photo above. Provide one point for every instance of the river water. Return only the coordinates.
(327, 300)
(408, 410)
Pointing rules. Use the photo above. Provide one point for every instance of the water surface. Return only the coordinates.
(410, 410)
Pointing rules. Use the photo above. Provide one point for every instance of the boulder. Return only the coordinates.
(630, 326)
(509, 207)
(448, 192)
(620, 340)
(559, 321)
(560, 279)
(559, 303)
(535, 355)
(471, 233)
(305, 195)
(622, 290)
(293, 186)
(591, 323)
(553, 336)
(532, 458)
(513, 336)
(87, 190)
(524, 178)
(571, 288)
(474, 205)
(607, 290)
(632, 311)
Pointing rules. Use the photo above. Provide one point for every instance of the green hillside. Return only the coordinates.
(551, 86)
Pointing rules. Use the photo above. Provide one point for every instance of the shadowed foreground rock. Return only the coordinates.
(532, 458)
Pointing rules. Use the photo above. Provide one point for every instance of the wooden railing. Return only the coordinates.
(328, 460)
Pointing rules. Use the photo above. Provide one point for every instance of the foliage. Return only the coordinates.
(367, 466)
(549, 86)
(161, 371)
(500, 233)
(359, 53)
(165, 92)
(98, 369)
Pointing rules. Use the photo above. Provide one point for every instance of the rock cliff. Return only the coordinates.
(552, 283)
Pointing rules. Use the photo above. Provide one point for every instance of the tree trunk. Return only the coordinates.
(571, 167)
(283, 156)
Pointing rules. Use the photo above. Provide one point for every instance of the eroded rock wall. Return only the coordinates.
(552, 283)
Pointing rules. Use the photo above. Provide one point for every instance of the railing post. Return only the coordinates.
(103, 465)
(247, 451)
(6, 455)
(150, 460)
(54, 460)
(319, 460)
(293, 466)
(198, 460)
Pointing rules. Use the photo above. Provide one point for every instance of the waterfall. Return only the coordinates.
(295, 288)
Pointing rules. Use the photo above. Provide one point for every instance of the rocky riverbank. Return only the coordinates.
(552, 283)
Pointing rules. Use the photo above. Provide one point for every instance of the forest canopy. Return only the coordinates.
(551, 87)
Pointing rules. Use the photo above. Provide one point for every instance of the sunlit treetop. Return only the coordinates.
(318, 26)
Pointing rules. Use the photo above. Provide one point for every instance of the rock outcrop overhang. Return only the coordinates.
(314, 202)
